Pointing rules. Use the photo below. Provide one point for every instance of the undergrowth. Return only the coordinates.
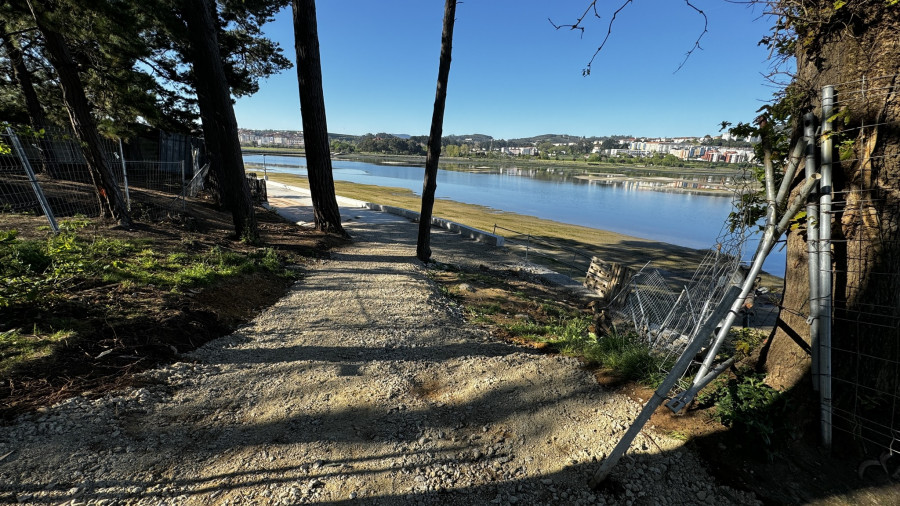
(39, 270)
(746, 403)
(35, 274)
(625, 354)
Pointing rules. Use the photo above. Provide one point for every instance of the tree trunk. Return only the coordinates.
(423, 243)
(217, 115)
(79, 109)
(23, 78)
(312, 110)
(850, 46)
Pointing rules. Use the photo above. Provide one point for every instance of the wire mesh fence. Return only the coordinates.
(865, 303)
(52, 167)
(16, 191)
(567, 259)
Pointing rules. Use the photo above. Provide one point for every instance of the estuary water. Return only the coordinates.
(685, 219)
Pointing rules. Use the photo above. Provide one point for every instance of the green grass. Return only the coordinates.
(624, 354)
(18, 347)
(35, 274)
(39, 269)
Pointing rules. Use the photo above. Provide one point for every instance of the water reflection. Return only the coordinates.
(687, 209)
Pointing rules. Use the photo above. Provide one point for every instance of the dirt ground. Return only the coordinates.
(798, 473)
(794, 469)
(116, 320)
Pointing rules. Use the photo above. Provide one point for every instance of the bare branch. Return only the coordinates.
(696, 42)
(577, 24)
(592, 7)
(587, 70)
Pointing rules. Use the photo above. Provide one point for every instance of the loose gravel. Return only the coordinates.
(362, 385)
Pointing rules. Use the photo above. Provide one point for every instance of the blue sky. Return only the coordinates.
(513, 75)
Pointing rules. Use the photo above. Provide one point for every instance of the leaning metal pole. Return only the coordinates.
(726, 312)
(770, 236)
(773, 230)
(35, 186)
(825, 280)
(660, 394)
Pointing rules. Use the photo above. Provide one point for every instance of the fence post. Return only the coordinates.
(38, 191)
(825, 266)
(183, 189)
(124, 176)
(812, 248)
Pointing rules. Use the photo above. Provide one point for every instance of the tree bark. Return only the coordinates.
(217, 116)
(848, 46)
(423, 243)
(327, 215)
(79, 109)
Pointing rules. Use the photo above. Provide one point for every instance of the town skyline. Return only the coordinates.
(683, 148)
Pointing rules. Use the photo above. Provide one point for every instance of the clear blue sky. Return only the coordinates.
(513, 75)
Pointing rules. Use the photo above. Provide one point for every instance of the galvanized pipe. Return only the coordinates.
(35, 186)
(124, 176)
(812, 248)
(660, 394)
(824, 274)
(796, 155)
(772, 233)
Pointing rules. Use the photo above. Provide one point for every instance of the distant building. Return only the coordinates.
(524, 151)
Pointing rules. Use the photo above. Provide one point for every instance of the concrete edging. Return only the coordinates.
(469, 232)
(465, 231)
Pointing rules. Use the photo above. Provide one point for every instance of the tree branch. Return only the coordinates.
(696, 42)
(592, 7)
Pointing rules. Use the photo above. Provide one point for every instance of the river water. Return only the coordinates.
(685, 219)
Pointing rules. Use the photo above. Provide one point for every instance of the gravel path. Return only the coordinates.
(362, 385)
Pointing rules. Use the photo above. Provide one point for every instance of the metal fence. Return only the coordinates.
(859, 364)
(573, 261)
(47, 174)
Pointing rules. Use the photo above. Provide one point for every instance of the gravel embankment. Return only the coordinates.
(363, 385)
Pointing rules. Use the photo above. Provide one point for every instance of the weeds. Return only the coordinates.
(17, 347)
(37, 269)
(748, 404)
(625, 354)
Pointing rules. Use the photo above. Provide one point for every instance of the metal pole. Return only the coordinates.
(825, 280)
(723, 309)
(183, 188)
(124, 176)
(771, 234)
(812, 248)
(35, 186)
(265, 170)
